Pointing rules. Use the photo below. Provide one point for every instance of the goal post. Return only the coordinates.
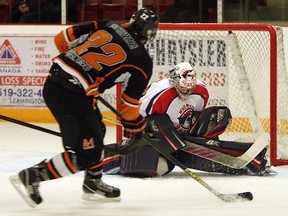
(244, 68)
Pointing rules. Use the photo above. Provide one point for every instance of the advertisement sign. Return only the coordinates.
(24, 66)
(25, 62)
(208, 56)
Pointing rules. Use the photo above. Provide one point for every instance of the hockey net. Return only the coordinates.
(244, 68)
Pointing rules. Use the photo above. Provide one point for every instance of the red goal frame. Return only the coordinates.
(273, 72)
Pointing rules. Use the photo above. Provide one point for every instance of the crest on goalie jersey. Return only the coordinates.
(185, 119)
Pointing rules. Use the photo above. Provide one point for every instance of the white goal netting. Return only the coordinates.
(237, 62)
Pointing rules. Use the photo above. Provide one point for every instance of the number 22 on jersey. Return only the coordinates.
(113, 53)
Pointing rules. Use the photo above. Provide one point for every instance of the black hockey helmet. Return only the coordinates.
(144, 23)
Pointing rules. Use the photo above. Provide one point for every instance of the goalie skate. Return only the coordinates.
(265, 172)
(269, 172)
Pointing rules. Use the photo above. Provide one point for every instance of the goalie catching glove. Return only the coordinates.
(133, 129)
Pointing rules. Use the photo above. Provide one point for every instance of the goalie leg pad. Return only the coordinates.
(141, 163)
(198, 163)
(255, 167)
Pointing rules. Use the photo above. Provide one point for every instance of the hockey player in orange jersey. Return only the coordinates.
(94, 56)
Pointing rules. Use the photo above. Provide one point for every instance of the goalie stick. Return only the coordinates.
(244, 196)
(225, 159)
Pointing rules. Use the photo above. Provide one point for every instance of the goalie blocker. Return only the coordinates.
(146, 161)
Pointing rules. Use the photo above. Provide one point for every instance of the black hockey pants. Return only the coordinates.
(80, 125)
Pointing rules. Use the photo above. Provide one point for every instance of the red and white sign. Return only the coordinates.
(24, 66)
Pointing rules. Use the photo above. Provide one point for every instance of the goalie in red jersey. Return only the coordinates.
(176, 115)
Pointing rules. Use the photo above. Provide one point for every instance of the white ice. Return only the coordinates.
(175, 194)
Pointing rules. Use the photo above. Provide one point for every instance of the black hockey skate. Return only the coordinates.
(260, 168)
(96, 189)
(27, 185)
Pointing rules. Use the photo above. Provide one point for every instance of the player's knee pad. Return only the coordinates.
(145, 162)
(89, 153)
(86, 161)
(212, 122)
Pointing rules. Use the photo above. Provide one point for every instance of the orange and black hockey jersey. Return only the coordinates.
(100, 54)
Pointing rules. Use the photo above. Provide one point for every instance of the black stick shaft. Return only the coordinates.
(116, 112)
(122, 151)
(45, 130)
(29, 125)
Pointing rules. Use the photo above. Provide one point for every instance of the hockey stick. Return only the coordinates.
(112, 120)
(197, 149)
(25, 124)
(244, 196)
(121, 150)
(124, 150)
(30, 125)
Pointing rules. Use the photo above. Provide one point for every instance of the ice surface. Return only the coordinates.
(175, 194)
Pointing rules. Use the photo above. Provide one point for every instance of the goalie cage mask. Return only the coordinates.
(183, 79)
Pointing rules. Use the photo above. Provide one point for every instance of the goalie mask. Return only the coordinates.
(183, 79)
(144, 23)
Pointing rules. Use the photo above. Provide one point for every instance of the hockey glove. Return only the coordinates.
(133, 129)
